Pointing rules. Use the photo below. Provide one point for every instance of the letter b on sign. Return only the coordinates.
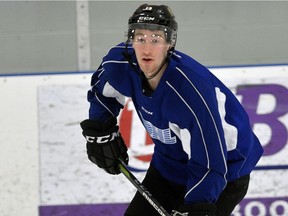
(252, 99)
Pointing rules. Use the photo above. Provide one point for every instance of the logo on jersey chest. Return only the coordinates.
(163, 135)
(137, 138)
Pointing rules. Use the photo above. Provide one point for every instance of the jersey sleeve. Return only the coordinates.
(104, 98)
(193, 107)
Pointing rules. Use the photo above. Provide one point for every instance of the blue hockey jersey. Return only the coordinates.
(201, 133)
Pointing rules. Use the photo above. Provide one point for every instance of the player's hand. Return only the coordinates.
(104, 144)
(197, 209)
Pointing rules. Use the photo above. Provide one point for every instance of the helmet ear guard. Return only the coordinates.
(154, 18)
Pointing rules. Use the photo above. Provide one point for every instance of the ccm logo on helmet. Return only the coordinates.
(102, 139)
(146, 18)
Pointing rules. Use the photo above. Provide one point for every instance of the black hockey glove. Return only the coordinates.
(104, 144)
(197, 209)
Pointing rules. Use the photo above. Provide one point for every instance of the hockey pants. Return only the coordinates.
(171, 195)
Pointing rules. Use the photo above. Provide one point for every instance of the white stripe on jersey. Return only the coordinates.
(191, 189)
(104, 105)
(184, 135)
(230, 132)
(109, 91)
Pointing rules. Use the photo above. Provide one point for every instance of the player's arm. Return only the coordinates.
(104, 142)
(105, 101)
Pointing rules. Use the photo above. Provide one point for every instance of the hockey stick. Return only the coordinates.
(141, 189)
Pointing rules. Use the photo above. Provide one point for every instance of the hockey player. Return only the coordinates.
(204, 149)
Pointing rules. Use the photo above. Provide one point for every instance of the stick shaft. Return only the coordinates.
(142, 190)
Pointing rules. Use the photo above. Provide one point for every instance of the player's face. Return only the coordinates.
(150, 49)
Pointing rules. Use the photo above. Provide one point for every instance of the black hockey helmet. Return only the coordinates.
(154, 17)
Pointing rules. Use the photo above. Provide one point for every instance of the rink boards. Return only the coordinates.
(72, 185)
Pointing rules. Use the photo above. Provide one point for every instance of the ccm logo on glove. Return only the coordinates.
(102, 139)
(104, 144)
